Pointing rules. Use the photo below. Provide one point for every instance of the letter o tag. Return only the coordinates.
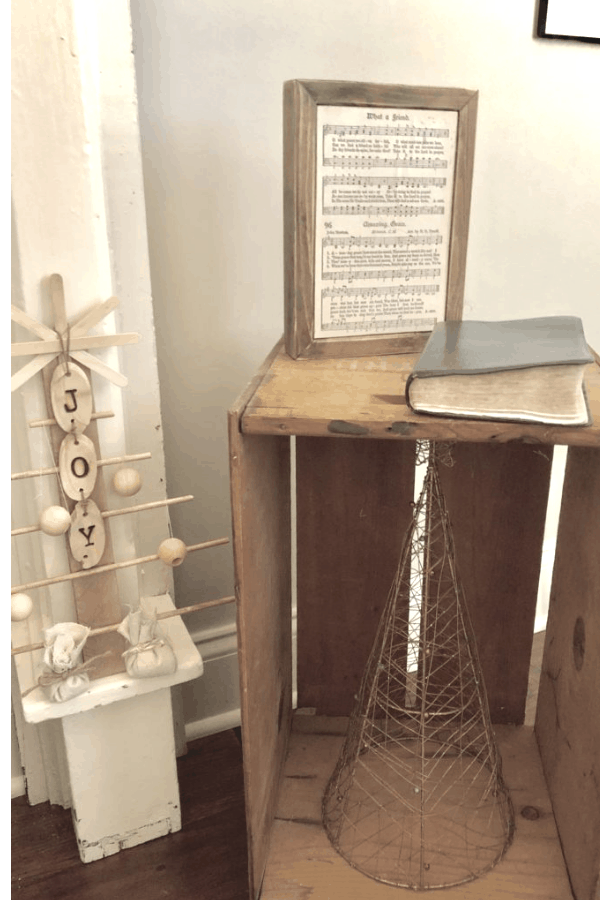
(78, 466)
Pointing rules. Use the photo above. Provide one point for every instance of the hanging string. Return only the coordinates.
(46, 679)
(65, 350)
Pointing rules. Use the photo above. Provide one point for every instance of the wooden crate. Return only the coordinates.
(355, 444)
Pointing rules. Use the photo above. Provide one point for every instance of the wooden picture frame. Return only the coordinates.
(374, 259)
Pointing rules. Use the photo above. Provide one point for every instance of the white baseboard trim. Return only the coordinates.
(214, 644)
(213, 725)
(17, 786)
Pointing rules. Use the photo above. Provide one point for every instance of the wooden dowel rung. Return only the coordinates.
(28, 529)
(156, 504)
(38, 423)
(53, 470)
(106, 629)
(109, 513)
(111, 567)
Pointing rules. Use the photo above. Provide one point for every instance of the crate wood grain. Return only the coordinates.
(568, 713)
(353, 510)
(364, 398)
(496, 495)
(302, 863)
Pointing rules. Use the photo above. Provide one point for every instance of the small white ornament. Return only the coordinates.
(127, 482)
(172, 551)
(55, 520)
(20, 607)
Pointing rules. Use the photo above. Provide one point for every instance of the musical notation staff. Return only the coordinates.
(380, 274)
(385, 325)
(381, 291)
(365, 242)
(394, 162)
(388, 181)
(363, 209)
(386, 131)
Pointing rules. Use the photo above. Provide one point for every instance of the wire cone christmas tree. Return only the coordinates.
(417, 797)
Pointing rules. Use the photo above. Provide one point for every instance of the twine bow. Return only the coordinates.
(46, 679)
(153, 644)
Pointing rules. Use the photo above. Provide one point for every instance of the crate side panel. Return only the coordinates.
(260, 497)
(568, 712)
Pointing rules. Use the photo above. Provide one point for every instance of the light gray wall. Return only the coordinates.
(210, 79)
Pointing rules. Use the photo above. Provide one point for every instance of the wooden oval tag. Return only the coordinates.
(87, 535)
(77, 466)
(71, 398)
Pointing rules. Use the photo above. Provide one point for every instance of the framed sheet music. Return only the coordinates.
(377, 193)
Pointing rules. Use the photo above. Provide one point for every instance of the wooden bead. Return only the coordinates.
(20, 607)
(127, 482)
(55, 520)
(172, 551)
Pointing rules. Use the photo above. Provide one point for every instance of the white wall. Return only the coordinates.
(210, 79)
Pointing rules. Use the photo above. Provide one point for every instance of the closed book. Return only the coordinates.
(522, 370)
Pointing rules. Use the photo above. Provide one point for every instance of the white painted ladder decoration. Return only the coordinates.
(144, 804)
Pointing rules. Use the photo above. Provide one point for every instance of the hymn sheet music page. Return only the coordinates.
(385, 182)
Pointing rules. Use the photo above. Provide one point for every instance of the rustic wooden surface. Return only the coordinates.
(301, 99)
(206, 860)
(303, 864)
(364, 398)
(353, 509)
(260, 500)
(496, 497)
(568, 714)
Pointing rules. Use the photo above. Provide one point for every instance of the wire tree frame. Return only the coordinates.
(417, 797)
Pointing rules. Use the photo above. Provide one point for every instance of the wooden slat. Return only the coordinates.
(260, 497)
(303, 864)
(496, 498)
(86, 342)
(365, 398)
(353, 509)
(568, 713)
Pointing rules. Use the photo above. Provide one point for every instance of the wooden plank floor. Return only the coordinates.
(206, 860)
